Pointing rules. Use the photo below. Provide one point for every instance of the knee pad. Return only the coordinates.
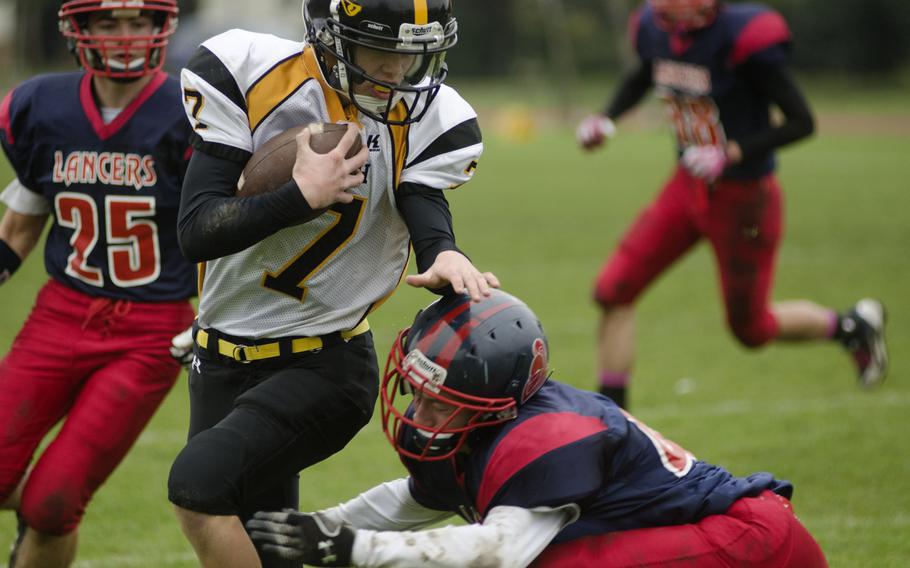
(618, 283)
(53, 511)
(205, 476)
(756, 333)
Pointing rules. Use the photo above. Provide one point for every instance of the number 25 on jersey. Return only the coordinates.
(130, 237)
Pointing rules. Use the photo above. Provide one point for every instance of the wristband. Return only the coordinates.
(9, 261)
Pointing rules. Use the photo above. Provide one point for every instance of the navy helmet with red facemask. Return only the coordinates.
(119, 57)
(484, 359)
(683, 16)
(423, 30)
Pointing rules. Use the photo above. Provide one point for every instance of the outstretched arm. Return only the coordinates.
(595, 129)
(443, 268)
(386, 507)
(508, 537)
(631, 91)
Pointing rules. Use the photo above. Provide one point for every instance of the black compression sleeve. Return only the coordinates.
(426, 213)
(777, 84)
(634, 87)
(213, 222)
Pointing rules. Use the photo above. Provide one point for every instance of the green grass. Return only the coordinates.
(543, 216)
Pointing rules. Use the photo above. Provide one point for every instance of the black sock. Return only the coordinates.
(617, 394)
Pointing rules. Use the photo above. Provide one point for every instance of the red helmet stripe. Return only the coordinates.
(433, 333)
(447, 352)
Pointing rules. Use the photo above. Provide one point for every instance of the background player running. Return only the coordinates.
(719, 68)
(103, 152)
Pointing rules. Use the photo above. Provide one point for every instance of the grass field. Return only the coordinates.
(543, 216)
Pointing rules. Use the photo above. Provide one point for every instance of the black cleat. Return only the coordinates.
(864, 327)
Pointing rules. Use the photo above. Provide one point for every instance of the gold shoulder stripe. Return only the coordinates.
(200, 277)
(399, 134)
(274, 87)
(332, 100)
(420, 12)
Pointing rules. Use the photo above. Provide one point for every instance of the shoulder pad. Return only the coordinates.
(756, 29)
(444, 146)
(216, 82)
(544, 443)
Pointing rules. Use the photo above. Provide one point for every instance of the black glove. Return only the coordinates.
(302, 536)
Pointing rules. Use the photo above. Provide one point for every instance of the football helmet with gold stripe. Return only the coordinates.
(357, 43)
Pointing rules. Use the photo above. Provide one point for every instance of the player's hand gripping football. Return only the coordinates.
(594, 130)
(302, 536)
(452, 267)
(324, 179)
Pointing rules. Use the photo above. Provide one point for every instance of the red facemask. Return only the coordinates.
(118, 57)
(406, 374)
(683, 16)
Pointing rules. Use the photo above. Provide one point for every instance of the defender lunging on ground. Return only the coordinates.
(543, 473)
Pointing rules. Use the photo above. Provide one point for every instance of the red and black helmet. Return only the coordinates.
(425, 29)
(118, 57)
(483, 358)
(683, 16)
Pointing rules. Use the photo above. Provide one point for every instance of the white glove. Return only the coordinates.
(182, 347)
(705, 162)
(594, 130)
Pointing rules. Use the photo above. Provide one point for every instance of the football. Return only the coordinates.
(272, 164)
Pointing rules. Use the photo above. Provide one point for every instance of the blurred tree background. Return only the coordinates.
(522, 37)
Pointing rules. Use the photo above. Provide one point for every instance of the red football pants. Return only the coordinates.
(104, 364)
(740, 219)
(757, 532)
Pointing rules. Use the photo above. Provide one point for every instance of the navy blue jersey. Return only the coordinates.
(700, 76)
(573, 446)
(114, 188)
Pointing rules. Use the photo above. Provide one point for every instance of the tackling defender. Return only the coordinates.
(719, 68)
(102, 151)
(488, 437)
(285, 372)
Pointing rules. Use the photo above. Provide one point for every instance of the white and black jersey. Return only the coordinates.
(327, 274)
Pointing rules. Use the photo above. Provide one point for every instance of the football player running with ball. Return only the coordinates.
(103, 152)
(285, 371)
(543, 473)
(719, 68)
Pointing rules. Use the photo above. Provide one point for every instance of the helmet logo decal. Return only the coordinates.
(538, 371)
(351, 8)
(423, 371)
(430, 35)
